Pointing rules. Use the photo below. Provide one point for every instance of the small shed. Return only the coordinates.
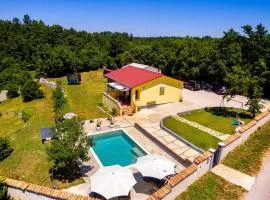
(46, 134)
(74, 78)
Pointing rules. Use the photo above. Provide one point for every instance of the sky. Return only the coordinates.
(144, 17)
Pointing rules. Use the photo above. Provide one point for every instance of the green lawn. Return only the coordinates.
(212, 187)
(28, 161)
(218, 119)
(83, 99)
(248, 157)
(195, 136)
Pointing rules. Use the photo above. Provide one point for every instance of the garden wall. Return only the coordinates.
(111, 103)
(238, 138)
(27, 191)
(179, 182)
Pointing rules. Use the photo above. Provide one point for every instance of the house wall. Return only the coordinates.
(149, 92)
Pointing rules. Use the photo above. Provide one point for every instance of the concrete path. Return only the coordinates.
(261, 188)
(234, 176)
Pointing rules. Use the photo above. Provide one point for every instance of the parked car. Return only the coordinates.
(192, 85)
(206, 86)
(222, 90)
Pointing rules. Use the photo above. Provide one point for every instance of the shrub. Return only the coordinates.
(5, 149)
(12, 91)
(3, 191)
(25, 116)
(30, 91)
(114, 111)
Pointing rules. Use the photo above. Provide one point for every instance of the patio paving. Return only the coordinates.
(181, 149)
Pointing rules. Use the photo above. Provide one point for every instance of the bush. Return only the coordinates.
(114, 111)
(12, 90)
(30, 91)
(25, 116)
(5, 149)
(3, 191)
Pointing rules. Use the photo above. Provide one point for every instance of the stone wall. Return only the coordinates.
(111, 103)
(27, 191)
(238, 138)
(179, 182)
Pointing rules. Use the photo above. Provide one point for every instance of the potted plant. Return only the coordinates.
(112, 121)
(99, 122)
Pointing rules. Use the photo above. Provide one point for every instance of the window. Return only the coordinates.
(162, 91)
(137, 95)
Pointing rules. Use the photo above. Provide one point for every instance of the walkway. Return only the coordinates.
(175, 145)
(210, 131)
(234, 176)
(260, 189)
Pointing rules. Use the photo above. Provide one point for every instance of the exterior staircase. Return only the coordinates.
(127, 110)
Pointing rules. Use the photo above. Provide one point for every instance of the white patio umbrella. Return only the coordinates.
(112, 181)
(155, 166)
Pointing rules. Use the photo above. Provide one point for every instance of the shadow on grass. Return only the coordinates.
(228, 112)
(66, 174)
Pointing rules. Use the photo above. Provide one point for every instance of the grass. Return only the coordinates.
(248, 157)
(83, 99)
(28, 161)
(212, 187)
(218, 119)
(195, 136)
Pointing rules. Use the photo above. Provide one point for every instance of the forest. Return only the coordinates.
(240, 60)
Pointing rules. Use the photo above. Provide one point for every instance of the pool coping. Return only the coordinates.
(107, 131)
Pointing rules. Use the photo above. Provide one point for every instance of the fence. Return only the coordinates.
(238, 138)
(22, 190)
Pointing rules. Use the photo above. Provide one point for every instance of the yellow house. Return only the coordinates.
(131, 88)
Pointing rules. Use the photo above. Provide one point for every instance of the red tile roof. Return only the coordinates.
(132, 76)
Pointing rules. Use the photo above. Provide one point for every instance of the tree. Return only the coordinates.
(5, 149)
(69, 144)
(59, 100)
(31, 90)
(25, 116)
(26, 19)
(254, 97)
(12, 90)
(3, 190)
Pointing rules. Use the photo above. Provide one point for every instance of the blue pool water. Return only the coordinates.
(116, 147)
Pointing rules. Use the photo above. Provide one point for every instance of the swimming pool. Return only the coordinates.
(116, 147)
